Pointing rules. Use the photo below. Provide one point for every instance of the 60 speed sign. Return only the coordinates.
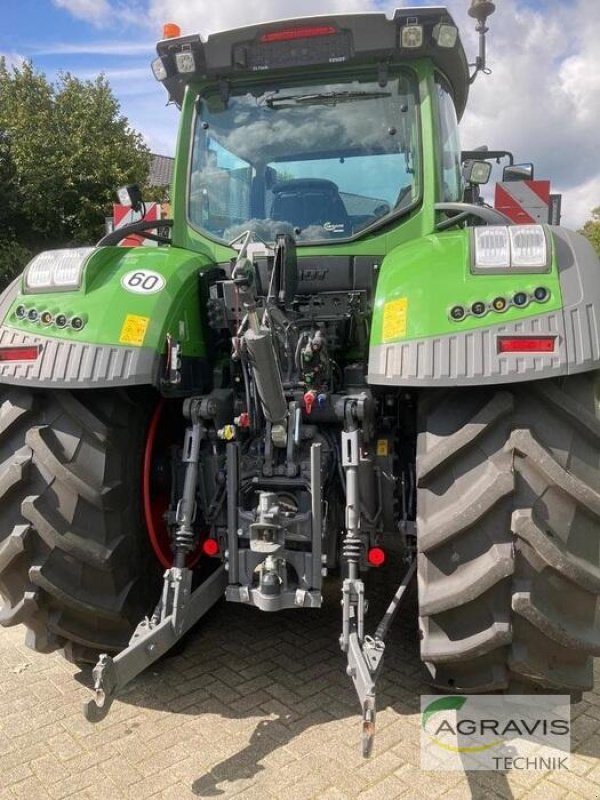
(143, 281)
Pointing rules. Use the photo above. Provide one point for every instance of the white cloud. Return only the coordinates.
(103, 13)
(116, 48)
(123, 81)
(578, 203)
(95, 11)
(13, 59)
(542, 100)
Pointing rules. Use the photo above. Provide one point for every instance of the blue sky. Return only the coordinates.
(542, 100)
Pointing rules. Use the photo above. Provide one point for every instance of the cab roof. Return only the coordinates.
(294, 44)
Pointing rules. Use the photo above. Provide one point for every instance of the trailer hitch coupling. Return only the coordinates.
(154, 636)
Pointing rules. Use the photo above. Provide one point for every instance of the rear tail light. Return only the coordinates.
(526, 344)
(376, 556)
(19, 353)
(210, 547)
(290, 34)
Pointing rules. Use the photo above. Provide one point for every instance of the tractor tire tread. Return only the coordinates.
(76, 566)
(509, 525)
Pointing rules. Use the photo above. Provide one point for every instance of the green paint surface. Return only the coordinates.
(433, 275)
(105, 304)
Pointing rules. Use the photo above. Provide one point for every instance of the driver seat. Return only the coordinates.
(310, 201)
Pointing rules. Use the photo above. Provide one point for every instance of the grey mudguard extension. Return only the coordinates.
(64, 364)
(472, 357)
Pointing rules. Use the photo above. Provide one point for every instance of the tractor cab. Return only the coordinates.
(330, 129)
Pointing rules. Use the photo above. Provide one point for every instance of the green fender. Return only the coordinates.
(421, 281)
(130, 299)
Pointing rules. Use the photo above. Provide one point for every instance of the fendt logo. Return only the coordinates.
(495, 732)
(313, 274)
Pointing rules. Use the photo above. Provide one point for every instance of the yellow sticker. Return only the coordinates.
(134, 329)
(382, 447)
(394, 319)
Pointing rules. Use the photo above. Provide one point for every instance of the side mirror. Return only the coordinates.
(477, 172)
(518, 172)
(131, 195)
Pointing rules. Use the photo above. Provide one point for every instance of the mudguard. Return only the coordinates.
(417, 341)
(129, 301)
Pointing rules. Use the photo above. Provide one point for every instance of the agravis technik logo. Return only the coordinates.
(495, 732)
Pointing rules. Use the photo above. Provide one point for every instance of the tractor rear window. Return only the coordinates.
(321, 162)
(448, 141)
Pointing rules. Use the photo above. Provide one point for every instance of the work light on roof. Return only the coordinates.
(159, 69)
(445, 35)
(412, 36)
(185, 62)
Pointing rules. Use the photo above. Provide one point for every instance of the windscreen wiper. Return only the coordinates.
(324, 99)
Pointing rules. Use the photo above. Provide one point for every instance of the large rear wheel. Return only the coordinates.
(509, 535)
(76, 566)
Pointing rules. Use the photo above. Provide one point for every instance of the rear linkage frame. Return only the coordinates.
(180, 607)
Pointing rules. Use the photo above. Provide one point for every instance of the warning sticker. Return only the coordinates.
(394, 319)
(134, 329)
(382, 447)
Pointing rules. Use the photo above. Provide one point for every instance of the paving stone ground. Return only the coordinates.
(255, 707)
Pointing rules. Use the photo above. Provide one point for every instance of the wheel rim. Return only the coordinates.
(156, 504)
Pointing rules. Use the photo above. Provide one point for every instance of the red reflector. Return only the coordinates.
(210, 547)
(376, 556)
(298, 33)
(19, 353)
(526, 344)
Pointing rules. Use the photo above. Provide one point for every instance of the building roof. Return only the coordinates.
(161, 170)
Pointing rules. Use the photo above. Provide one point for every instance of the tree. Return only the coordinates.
(591, 229)
(64, 148)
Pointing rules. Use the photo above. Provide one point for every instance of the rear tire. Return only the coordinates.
(508, 534)
(76, 566)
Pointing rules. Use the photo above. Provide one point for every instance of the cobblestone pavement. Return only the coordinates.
(256, 706)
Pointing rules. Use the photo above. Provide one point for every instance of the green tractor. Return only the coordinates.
(335, 354)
